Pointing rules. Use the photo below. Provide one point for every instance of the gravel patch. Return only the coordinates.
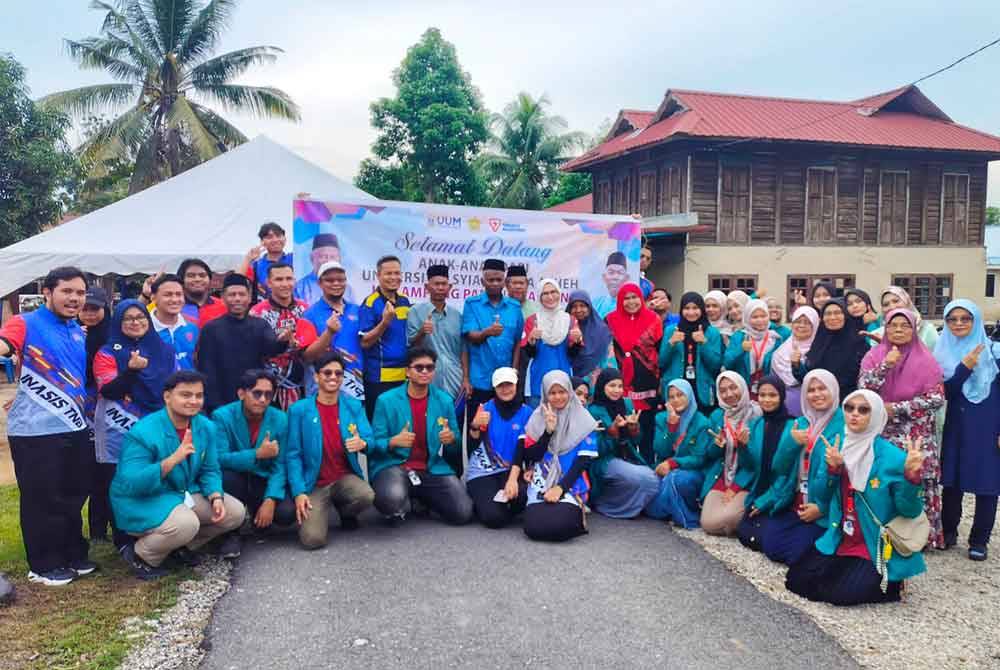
(172, 640)
(948, 618)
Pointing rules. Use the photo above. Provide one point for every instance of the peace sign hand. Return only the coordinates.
(551, 420)
(619, 421)
(914, 458)
(720, 441)
(834, 458)
(800, 298)
(744, 436)
(671, 414)
(972, 358)
(633, 418)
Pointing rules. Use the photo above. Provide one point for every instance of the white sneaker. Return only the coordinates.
(57, 577)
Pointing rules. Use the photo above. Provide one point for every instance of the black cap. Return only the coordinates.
(617, 258)
(517, 271)
(494, 264)
(96, 297)
(325, 240)
(437, 271)
(235, 279)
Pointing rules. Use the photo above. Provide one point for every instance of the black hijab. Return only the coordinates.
(838, 351)
(830, 289)
(507, 408)
(691, 327)
(614, 407)
(774, 426)
(857, 322)
(97, 337)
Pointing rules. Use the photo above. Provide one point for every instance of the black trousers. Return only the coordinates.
(249, 489)
(982, 521)
(647, 430)
(54, 477)
(553, 522)
(99, 512)
(489, 512)
(373, 390)
(444, 495)
(839, 580)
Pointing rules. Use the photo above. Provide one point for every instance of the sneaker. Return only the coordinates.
(185, 558)
(82, 567)
(349, 523)
(231, 546)
(140, 568)
(977, 553)
(57, 577)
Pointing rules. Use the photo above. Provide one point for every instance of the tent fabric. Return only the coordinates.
(211, 211)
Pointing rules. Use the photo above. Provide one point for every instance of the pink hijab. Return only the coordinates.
(781, 362)
(917, 370)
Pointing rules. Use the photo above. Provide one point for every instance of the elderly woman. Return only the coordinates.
(692, 350)
(549, 335)
(970, 453)
(867, 482)
(838, 348)
(560, 442)
(895, 297)
(750, 350)
(805, 323)
(908, 378)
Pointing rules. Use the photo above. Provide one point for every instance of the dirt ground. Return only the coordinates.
(6, 466)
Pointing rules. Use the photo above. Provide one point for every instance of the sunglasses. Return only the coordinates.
(851, 408)
(331, 373)
(261, 395)
(423, 367)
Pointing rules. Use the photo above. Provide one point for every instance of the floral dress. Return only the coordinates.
(913, 419)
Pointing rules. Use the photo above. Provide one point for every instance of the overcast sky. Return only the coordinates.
(591, 58)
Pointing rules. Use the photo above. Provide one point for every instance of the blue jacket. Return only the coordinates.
(692, 453)
(304, 453)
(738, 360)
(237, 454)
(772, 490)
(140, 498)
(708, 363)
(392, 412)
(889, 494)
(787, 461)
(745, 468)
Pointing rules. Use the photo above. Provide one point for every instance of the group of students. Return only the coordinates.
(210, 416)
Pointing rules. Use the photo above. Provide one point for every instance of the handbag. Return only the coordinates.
(904, 535)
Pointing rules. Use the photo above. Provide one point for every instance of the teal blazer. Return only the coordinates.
(771, 492)
(690, 454)
(392, 412)
(304, 453)
(140, 498)
(738, 360)
(889, 494)
(787, 460)
(745, 470)
(237, 454)
(708, 363)
(607, 448)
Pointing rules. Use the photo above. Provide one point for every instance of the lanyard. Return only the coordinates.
(758, 353)
(733, 434)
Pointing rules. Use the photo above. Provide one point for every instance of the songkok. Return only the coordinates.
(235, 279)
(437, 271)
(517, 271)
(617, 258)
(325, 240)
(494, 264)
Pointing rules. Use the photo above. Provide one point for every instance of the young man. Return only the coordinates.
(491, 326)
(283, 312)
(615, 274)
(199, 306)
(415, 430)
(326, 435)
(436, 326)
(259, 259)
(660, 301)
(168, 488)
(252, 435)
(383, 332)
(325, 249)
(235, 343)
(337, 321)
(517, 289)
(169, 322)
(645, 260)
(47, 429)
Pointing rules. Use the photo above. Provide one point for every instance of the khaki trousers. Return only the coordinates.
(348, 496)
(191, 527)
(719, 517)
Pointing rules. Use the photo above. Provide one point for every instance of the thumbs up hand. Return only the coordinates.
(404, 439)
(800, 436)
(446, 435)
(481, 421)
(496, 328)
(428, 326)
(747, 344)
(268, 448)
(677, 337)
(971, 359)
(136, 361)
(354, 443)
(892, 358)
(699, 336)
(796, 356)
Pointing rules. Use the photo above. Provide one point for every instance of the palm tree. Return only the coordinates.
(160, 51)
(527, 147)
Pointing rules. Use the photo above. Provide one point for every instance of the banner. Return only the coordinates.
(593, 252)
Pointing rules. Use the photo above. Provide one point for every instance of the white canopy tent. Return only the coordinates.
(211, 211)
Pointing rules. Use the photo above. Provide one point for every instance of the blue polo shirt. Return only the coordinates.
(385, 361)
(258, 274)
(496, 352)
(183, 337)
(348, 339)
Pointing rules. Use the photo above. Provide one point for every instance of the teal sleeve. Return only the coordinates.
(661, 437)
(823, 484)
(668, 351)
(233, 456)
(448, 411)
(138, 471)
(734, 353)
(293, 455)
(379, 446)
(277, 479)
(210, 474)
(696, 459)
(711, 352)
(906, 498)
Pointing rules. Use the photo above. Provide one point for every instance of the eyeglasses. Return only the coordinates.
(139, 318)
(261, 395)
(332, 373)
(851, 408)
(959, 319)
(423, 367)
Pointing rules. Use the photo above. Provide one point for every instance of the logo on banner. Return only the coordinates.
(474, 224)
(513, 228)
(495, 224)
(451, 222)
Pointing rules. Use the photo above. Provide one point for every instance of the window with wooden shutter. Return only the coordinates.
(734, 203)
(727, 283)
(670, 190)
(821, 205)
(893, 202)
(805, 283)
(954, 208)
(930, 293)
(647, 193)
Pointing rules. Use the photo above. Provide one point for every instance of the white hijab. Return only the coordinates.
(722, 323)
(781, 362)
(858, 450)
(818, 421)
(554, 323)
(767, 336)
(740, 414)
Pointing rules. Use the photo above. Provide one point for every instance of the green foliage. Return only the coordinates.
(37, 170)
(107, 181)
(160, 53)
(434, 126)
(387, 182)
(570, 185)
(993, 216)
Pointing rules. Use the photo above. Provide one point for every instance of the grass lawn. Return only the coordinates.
(75, 626)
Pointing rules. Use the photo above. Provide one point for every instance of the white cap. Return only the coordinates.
(504, 376)
(329, 265)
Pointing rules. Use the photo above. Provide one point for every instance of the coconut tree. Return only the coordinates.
(528, 144)
(161, 54)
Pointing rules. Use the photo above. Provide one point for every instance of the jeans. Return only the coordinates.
(677, 499)
(444, 495)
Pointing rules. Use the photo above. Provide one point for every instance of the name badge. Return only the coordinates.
(849, 527)
(804, 486)
(414, 477)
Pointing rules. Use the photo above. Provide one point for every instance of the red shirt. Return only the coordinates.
(334, 464)
(254, 427)
(418, 454)
(854, 544)
(181, 432)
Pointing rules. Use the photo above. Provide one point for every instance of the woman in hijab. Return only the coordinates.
(129, 371)
(908, 378)
(822, 293)
(682, 441)
(797, 518)
(716, 308)
(560, 442)
(622, 482)
(895, 297)
(866, 477)
(496, 446)
(548, 336)
(594, 352)
(837, 349)
(769, 436)
(970, 453)
(860, 310)
(692, 350)
(775, 314)
(636, 332)
(805, 323)
(729, 468)
(736, 303)
(750, 350)
(581, 387)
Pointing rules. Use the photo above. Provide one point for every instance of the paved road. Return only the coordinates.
(632, 594)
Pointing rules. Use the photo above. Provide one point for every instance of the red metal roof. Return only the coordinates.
(582, 205)
(903, 118)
